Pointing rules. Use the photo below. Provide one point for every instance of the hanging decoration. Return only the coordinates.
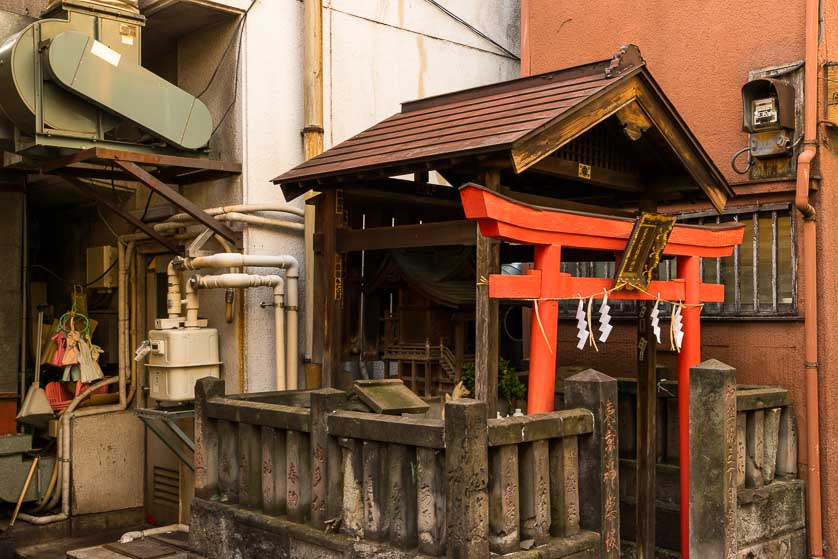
(655, 316)
(676, 328)
(605, 319)
(582, 325)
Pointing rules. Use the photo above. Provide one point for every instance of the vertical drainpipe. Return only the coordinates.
(810, 270)
(525, 38)
(312, 145)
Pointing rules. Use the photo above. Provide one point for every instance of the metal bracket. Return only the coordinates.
(194, 248)
(151, 417)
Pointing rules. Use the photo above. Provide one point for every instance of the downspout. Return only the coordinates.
(312, 142)
(810, 270)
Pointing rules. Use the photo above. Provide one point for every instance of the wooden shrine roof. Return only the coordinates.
(522, 121)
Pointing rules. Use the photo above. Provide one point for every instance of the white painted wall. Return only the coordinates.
(377, 53)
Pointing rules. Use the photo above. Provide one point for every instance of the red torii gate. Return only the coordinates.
(550, 230)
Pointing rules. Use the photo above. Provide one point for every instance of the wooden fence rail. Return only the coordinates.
(461, 485)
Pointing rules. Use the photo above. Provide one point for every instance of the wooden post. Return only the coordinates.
(325, 458)
(466, 469)
(712, 401)
(487, 336)
(328, 287)
(206, 439)
(647, 432)
(599, 481)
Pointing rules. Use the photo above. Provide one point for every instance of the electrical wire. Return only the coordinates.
(476, 31)
(68, 282)
(736, 156)
(238, 41)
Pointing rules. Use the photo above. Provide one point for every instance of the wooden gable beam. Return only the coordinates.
(599, 176)
(694, 160)
(530, 151)
(546, 139)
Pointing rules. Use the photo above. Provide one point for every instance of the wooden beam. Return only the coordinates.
(555, 203)
(178, 199)
(599, 176)
(162, 160)
(328, 289)
(686, 148)
(439, 233)
(486, 317)
(647, 428)
(124, 214)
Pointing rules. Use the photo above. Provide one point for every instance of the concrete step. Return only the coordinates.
(164, 546)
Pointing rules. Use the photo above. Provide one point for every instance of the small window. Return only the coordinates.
(760, 278)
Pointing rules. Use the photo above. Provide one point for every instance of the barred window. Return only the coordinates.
(760, 278)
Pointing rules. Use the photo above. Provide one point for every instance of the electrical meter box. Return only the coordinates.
(768, 110)
(177, 358)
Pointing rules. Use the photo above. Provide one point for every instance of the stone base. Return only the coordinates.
(787, 546)
(221, 531)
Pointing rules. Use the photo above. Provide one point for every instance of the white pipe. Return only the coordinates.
(245, 281)
(292, 273)
(174, 301)
(258, 220)
(125, 256)
(243, 208)
(128, 537)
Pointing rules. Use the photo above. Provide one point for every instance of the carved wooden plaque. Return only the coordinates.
(643, 251)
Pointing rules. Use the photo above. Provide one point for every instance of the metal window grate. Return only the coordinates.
(760, 277)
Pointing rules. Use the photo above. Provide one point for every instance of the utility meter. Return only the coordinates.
(768, 110)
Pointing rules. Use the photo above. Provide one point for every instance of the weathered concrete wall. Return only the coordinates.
(108, 463)
(377, 53)
(11, 234)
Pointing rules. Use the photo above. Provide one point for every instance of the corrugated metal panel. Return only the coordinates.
(483, 119)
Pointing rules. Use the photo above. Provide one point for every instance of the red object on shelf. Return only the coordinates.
(8, 413)
(60, 396)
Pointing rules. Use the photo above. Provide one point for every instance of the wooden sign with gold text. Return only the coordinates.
(643, 251)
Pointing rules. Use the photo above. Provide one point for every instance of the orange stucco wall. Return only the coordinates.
(700, 51)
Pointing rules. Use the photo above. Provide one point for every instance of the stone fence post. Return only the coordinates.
(713, 457)
(599, 483)
(467, 473)
(206, 438)
(326, 467)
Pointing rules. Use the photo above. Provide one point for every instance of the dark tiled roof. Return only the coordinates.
(479, 120)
